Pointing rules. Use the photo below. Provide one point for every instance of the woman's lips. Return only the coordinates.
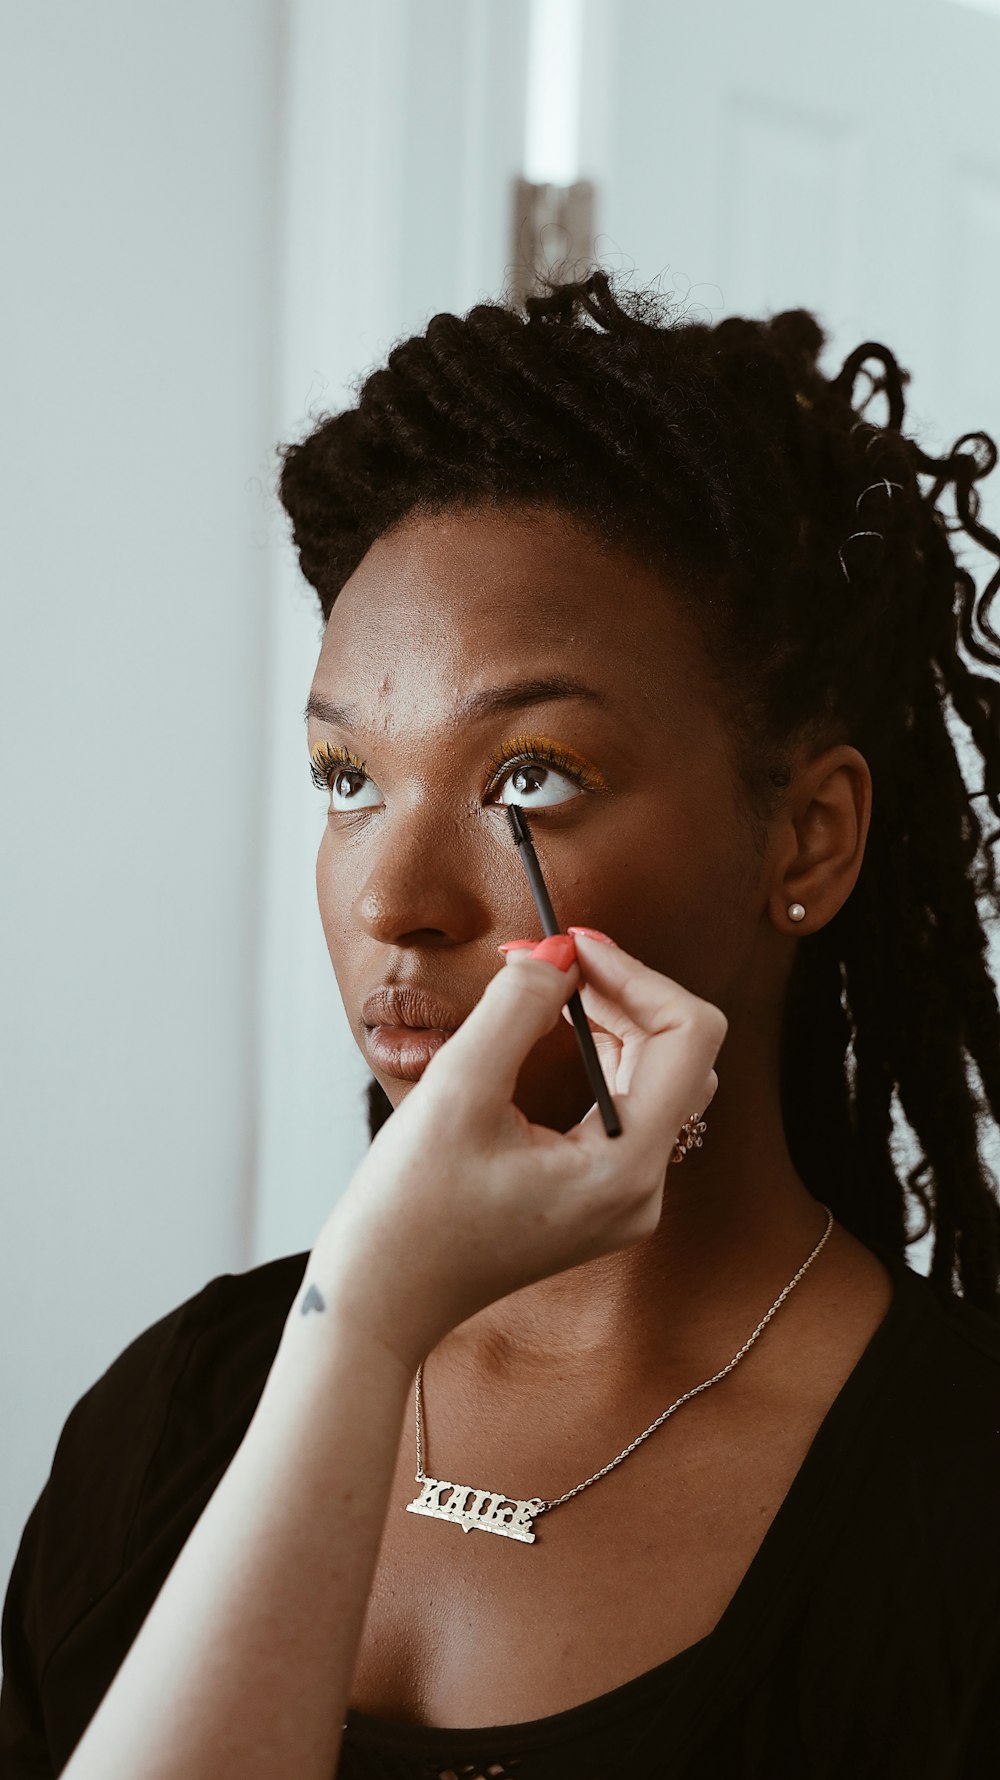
(403, 1051)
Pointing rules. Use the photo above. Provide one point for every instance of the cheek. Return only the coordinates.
(552, 1087)
(676, 893)
(701, 930)
(334, 905)
(324, 896)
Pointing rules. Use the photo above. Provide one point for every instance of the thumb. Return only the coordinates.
(479, 1066)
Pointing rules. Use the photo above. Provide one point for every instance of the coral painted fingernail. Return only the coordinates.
(518, 945)
(593, 933)
(559, 949)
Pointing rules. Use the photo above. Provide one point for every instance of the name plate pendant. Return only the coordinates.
(485, 1510)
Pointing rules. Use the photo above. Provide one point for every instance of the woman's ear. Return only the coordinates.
(828, 820)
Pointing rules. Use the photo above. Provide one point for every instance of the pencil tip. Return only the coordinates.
(518, 823)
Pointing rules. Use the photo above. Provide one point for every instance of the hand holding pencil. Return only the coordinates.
(461, 1200)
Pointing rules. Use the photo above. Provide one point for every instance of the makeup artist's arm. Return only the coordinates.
(243, 1665)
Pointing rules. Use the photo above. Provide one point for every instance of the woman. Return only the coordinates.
(664, 587)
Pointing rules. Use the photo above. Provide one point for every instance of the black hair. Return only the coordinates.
(826, 591)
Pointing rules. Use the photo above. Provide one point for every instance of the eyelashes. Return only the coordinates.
(326, 760)
(530, 750)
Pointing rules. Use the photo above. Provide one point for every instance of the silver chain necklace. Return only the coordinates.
(492, 1512)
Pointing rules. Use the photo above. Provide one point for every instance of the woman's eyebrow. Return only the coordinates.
(476, 705)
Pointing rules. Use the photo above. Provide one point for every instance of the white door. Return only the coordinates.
(844, 159)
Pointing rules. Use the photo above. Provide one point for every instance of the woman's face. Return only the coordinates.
(636, 822)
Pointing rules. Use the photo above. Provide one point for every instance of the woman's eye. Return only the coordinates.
(529, 777)
(530, 780)
(346, 782)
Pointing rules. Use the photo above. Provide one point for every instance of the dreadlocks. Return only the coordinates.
(830, 604)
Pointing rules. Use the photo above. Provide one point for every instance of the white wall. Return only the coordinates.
(138, 144)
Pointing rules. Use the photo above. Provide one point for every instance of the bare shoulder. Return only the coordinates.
(827, 1329)
(855, 1289)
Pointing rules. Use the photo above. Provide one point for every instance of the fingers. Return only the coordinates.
(481, 1061)
(627, 997)
(658, 1044)
(669, 1039)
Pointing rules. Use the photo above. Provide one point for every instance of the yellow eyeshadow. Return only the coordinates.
(548, 752)
(326, 755)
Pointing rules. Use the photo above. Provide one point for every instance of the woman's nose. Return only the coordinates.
(427, 883)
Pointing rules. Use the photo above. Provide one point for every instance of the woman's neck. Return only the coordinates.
(737, 1223)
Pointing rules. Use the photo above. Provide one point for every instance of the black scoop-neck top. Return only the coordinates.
(863, 1641)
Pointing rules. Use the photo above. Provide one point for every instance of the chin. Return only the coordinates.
(394, 1089)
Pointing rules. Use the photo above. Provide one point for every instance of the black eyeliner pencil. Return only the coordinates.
(584, 1037)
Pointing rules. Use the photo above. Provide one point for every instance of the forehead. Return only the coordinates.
(477, 596)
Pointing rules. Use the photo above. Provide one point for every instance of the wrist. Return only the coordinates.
(335, 1310)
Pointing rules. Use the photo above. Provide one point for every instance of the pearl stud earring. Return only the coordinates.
(796, 912)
